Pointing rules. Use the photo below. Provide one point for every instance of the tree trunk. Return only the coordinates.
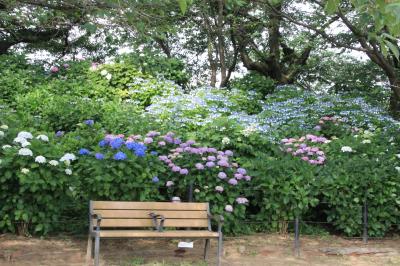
(395, 97)
(221, 40)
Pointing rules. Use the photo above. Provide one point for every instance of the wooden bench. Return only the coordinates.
(123, 219)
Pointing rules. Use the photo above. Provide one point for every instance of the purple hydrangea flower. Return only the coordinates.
(184, 171)
(228, 153)
(247, 178)
(233, 181)
(120, 156)
(177, 141)
(210, 164)
(155, 179)
(99, 156)
(148, 140)
(222, 175)
(199, 166)
(176, 169)
(154, 153)
(59, 133)
(223, 163)
(212, 150)
(169, 183)
(238, 176)
(211, 158)
(241, 171)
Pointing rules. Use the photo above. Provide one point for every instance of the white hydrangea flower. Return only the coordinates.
(196, 190)
(398, 155)
(103, 72)
(108, 76)
(365, 141)
(68, 171)
(25, 152)
(40, 159)
(25, 171)
(68, 157)
(1, 134)
(397, 168)
(5, 127)
(53, 163)
(20, 140)
(225, 140)
(6, 147)
(346, 149)
(24, 144)
(43, 137)
(25, 135)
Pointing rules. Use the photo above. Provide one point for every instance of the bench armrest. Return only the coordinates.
(159, 226)
(98, 220)
(219, 219)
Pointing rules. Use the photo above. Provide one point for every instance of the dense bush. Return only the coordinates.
(316, 156)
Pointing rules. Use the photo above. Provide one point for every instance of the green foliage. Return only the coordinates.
(253, 81)
(17, 76)
(158, 66)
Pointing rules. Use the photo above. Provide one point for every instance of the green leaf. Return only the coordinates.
(182, 6)
(331, 6)
(393, 48)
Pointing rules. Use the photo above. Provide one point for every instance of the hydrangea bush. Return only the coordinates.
(35, 181)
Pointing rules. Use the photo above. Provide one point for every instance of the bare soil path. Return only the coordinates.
(261, 249)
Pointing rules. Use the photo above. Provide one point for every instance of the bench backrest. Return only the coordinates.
(127, 214)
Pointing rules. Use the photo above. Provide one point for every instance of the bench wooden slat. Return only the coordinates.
(155, 234)
(145, 214)
(149, 223)
(129, 205)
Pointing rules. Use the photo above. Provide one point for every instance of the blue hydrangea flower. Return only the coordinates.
(89, 122)
(155, 179)
(99, 156)
(140, 153)
(102, 143)
(84, 151)
(154, 153)
(116, 143)
(120, 156)
(59, 133)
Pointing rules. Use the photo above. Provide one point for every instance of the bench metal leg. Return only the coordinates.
(96, 250)
(206, 247)
(89, 250)
(219, 253)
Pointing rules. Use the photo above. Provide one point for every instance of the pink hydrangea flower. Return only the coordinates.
(238, 176)
(161, 143)
(176, 169)
(54, 69)
(219, 189)
(228, 208)
(210, 164)
(242, 200)
(169, 183)
(241, 171)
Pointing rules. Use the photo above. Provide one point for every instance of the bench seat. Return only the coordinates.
(126, 219)
(156, 234)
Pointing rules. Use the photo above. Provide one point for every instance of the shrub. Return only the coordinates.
(35, 182)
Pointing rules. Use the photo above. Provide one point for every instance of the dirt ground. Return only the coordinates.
(265, 249)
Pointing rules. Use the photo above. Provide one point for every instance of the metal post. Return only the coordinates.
(296, 237)
(190, 192)
(365, 222)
